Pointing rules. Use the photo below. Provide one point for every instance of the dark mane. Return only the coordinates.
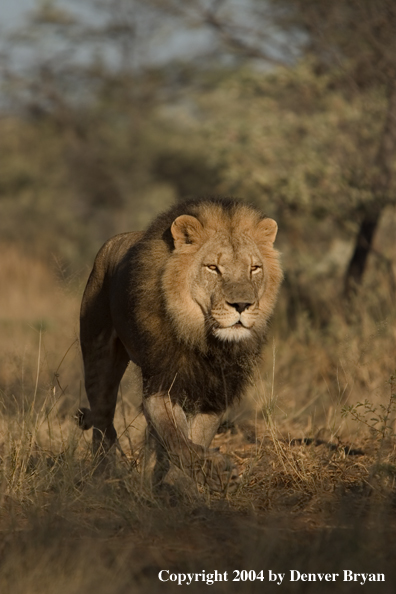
(211, 380)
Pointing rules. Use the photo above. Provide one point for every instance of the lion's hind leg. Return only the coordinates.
(105, 362)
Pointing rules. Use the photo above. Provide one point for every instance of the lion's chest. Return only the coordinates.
(199, 383)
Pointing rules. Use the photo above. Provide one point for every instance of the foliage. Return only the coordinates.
(379, 419)
(356, 35)
(292, 138)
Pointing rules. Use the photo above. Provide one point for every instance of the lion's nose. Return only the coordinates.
(241, 306)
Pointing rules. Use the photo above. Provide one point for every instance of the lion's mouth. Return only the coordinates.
(246, 324)
(236, 326)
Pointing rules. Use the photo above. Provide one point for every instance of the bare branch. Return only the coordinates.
(211, 19)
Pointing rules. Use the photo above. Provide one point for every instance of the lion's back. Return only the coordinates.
(95, 301)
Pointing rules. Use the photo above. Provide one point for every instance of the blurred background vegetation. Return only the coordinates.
(112, 111)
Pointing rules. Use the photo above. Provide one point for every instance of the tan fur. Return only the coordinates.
(189, 302)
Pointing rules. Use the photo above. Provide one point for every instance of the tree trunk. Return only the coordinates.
(357, 264)
(380, 185)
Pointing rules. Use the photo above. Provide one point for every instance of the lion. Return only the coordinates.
(188, 301)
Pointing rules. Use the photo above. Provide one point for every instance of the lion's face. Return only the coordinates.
(228, 285)
(223, 276)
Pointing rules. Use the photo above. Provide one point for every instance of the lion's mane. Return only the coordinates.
(173, 340)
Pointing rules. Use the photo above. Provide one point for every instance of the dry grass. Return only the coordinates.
(39, 329)
(307, 505)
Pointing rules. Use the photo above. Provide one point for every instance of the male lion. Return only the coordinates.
(188, 301)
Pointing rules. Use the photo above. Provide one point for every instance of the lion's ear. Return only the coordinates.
(186, 230)
(266, 231)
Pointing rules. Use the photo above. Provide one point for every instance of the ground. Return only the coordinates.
(306, 507)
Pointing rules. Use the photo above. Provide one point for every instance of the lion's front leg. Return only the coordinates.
(185, 443)
(169, 426)
(218, 472)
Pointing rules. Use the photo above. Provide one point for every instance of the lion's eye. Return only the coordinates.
(254, 269)
(212, 267)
